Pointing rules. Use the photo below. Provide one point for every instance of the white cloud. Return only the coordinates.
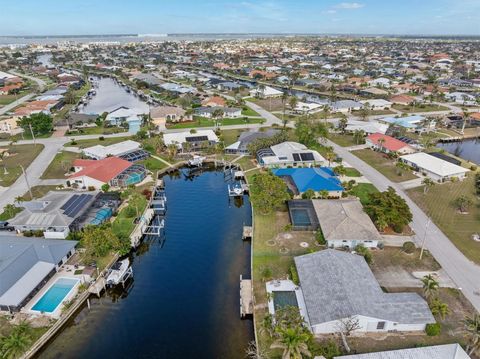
(331, 11)
(350, 5)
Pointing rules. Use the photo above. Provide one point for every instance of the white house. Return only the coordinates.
(289, 154)
(377, 104)
(196, 139)
(268, 92)
(437, 169)
(345, 106)
(99, 152)
(344, 223)
(380, 82)
(368, 127)
(445, 351)
(339, 286)
(307, 107)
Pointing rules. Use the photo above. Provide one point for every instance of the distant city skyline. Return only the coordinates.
(89, 17)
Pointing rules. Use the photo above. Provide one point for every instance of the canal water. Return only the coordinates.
(468, 150)
(184, 299)
(110, 96)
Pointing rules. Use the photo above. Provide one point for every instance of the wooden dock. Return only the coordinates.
(246, 297)
(247, 233)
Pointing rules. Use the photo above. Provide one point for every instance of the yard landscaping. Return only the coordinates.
(7, 99)
(230, 136)
(269, 104)
(384, 165)
(96, 141)
(40, 191)
(438, 203)
(419, 108)
(343, 140)
(352, 172)
(247, 111)
(60, 165)
(19, 155)
(97, 130)
(363, 191)
(207, 122)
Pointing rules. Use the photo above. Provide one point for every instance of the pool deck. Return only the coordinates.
(286, 286)
(66, 271)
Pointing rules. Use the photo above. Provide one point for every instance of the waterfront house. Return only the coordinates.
(345, 106)
(388, 144)
(128, 150)
(289, 154)
(368, 127)
(437, 169)
(114, 171)
(317, 179)
(339, 286)
(413, 123)
(227, 112)
(161, 115)
(55, 214)
(267, 92)
(124, 115)
(26, 264)
(197, 140)
(248, 137)
(445, 351)
(377, 104)
(344, 223)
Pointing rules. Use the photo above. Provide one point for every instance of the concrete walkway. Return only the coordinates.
(417, 182)
(463, 271)
(162, 160)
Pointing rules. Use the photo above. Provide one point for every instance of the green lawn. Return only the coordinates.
(95, 141)
(60, 164)
(40, 191)
(342, 140)
(384, 165)
(438, 204)
(419, 108)
(362, 191)
(6, 215)
(7, 99)
(19, 155)
(249, 112)
(123, 225)
(352, 172)
(97, 130)
(152, 164)
(246, 163)
(206, 122)
(230, 136)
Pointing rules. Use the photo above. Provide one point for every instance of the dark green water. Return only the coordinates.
(184, 299)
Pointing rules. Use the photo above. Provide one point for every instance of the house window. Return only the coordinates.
(381, 325)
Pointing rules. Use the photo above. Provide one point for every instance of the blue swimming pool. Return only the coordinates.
(55, 295)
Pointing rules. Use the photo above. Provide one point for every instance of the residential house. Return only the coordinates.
(344, 223)
(437, 169)
(339, 286)
(316, 179)
(26, 265)
(445, 351)
(267, 92)
(388, 144)
(113, 171)
(214, 101)
(128, 150)
(289, 154)
(161, 115)
(346, 106)
(197, 140)
(377, 104)
(227, 112)
(246, 138)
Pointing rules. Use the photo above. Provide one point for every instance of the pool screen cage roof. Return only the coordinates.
(135, 156)
(300, 223)
(132, 175)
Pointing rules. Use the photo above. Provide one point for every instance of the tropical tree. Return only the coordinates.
(462, 203)
(439, 308)
(172, 150)
(308, 132)
(98, 241)
(284, 102)
(342, 124)
(40, 123)
(325, 113)
(10, 210)
(430, 286)
(292, 102)
(268, 192)
(401, 167)
(381, 142)
(340, 170)
(14, 345)
(359, 136)
(427, 183)
(293, 341)
(472, 326)
(323, 194)
(330, 155)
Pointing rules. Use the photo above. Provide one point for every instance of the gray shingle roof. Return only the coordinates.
(344, 220)
(339, 285)
(19, 255)
(447, 351)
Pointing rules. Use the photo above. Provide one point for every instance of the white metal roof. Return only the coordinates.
(117, 149)
(434, 164)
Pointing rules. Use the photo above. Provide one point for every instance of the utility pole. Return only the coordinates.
(425, 237)
(26, 181)
(33, 136)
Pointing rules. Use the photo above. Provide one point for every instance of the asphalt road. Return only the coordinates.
(461, 270)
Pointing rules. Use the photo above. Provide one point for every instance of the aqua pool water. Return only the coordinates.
(55, 295)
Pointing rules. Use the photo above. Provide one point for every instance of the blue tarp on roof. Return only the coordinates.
(317, 179)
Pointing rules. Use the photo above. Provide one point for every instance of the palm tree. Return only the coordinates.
(292, 102)
(427, 183)
(401, 167)
(430, 286)
(172, 150)
(261, 89)
(15, 344)
(359, 136)
(325, 113)
(340, 170)
(323, 194)
(472, 326)
(293, 341)
(381, 142)
(330, 155)
(284, 102)
(439, 308)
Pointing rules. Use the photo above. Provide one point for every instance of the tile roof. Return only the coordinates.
(103, 170)
(390, 143)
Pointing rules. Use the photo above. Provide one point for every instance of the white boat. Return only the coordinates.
(119, 272)
(196, 161)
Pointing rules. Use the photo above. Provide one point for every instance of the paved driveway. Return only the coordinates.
(463, 272)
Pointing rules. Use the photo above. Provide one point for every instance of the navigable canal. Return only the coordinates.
(184, 298)
(468, 150)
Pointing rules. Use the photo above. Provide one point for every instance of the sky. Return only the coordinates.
(87, 17)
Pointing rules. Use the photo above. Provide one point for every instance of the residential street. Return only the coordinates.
(463, 272)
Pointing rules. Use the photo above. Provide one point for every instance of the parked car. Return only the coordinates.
(4, 226)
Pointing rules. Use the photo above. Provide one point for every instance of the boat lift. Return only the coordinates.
(154, 228)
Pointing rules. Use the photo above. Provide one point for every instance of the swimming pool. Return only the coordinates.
(55, 295)
(300, 217)
(284, 298)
